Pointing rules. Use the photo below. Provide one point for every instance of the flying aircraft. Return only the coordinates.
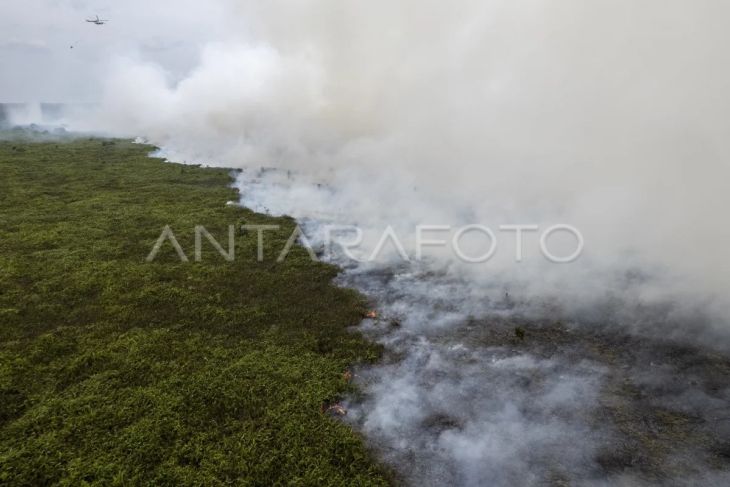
(97, 21)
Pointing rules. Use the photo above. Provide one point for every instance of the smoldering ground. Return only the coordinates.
(485, 385)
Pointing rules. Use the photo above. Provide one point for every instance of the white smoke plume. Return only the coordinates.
(609, 116)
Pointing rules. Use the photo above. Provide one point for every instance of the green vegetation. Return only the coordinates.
(115, 371)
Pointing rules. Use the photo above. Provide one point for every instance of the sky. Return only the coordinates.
(36, 39)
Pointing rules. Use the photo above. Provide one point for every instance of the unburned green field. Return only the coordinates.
(115, 371)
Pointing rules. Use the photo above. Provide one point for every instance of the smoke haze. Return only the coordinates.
(609, 116)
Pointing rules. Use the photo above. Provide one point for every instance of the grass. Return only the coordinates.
(116, 371)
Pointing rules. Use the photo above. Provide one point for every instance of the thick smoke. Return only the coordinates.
(609, 116)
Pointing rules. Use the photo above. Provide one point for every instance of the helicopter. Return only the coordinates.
(97, 21)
